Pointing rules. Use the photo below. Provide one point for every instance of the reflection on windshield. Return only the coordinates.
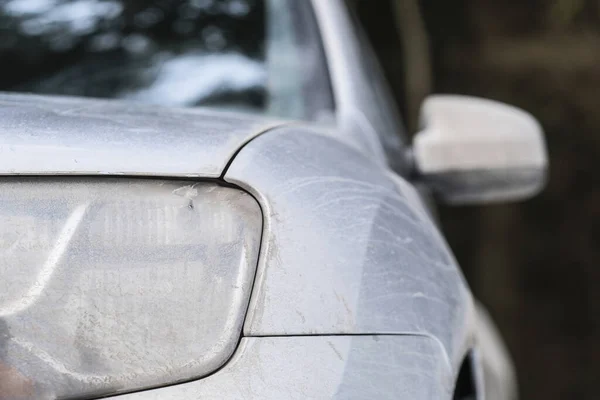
(173, 52)
(177, 83)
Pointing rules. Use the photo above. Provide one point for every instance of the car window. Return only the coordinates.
(387, 121)
(379, 36)
(245, 55)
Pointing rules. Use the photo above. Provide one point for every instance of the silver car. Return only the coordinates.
(261, 230)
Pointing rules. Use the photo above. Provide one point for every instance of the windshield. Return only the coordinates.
(259, 56)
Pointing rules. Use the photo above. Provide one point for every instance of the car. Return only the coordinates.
(216, 199)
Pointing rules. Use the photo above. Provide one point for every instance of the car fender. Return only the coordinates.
(347, 247)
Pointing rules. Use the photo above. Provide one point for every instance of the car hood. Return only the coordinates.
(54, 135)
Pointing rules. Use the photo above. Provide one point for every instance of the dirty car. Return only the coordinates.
(217, 199)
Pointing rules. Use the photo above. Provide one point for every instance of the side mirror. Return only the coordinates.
(474, 151)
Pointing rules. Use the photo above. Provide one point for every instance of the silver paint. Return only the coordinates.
(473, 151)
(347, 249)
(323, 367)
(49, 135)
(499, 381)
(348, 245)
(366, 114)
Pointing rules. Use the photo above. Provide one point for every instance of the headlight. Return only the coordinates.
(110, 285)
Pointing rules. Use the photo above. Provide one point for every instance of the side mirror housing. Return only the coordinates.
(473, 151)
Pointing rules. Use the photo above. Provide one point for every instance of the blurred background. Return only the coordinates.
(535, 265)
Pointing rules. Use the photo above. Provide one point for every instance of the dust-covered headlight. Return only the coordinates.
(110, 285)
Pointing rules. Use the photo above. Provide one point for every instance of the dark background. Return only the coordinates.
(533, 264)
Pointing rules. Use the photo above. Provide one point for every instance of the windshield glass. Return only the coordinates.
(252, 55)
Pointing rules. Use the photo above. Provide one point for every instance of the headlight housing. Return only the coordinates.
(110, 285)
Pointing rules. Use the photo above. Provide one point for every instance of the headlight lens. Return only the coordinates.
(111, 285)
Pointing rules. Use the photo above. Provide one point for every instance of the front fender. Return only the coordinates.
(321, 367)
(347, 247)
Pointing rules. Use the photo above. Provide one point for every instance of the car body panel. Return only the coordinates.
(322, 367)
(365, 111)
(347, 249)
(52, 135)
(495, 364)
